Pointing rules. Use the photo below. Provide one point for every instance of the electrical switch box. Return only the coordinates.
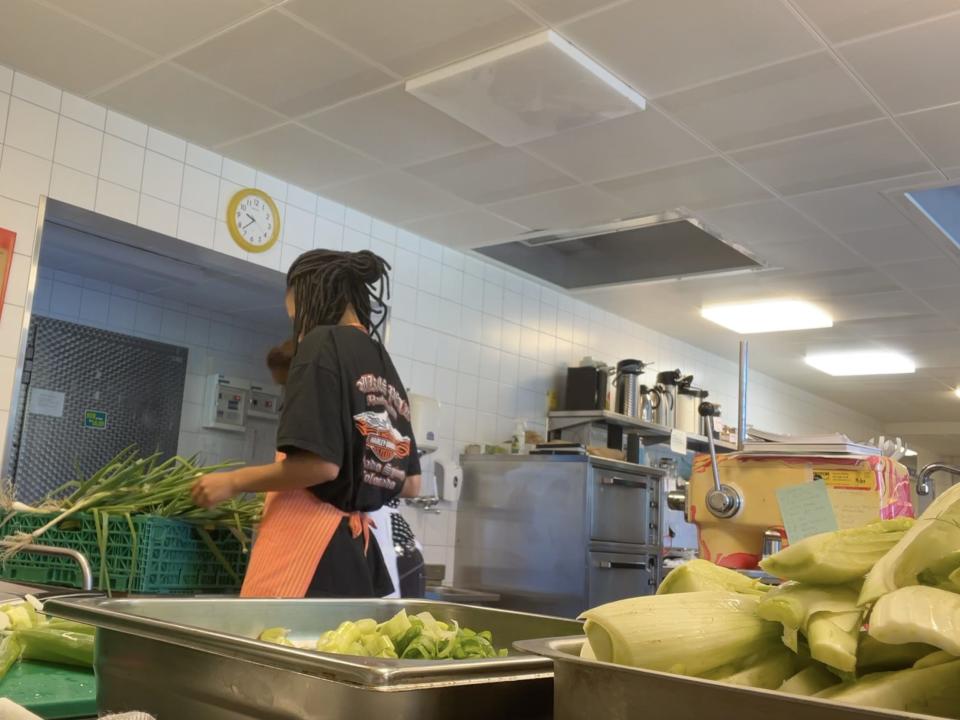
(225, 403)
(265, 402)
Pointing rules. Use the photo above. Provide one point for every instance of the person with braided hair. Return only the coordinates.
(345, 443)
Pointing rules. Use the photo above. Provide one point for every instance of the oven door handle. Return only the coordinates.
(623, 482)
(620, 565)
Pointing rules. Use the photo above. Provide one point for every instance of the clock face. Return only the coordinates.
(254, 220)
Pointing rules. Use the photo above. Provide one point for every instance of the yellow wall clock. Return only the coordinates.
(254, 220)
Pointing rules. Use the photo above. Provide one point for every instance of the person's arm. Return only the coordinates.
(295, 472)
(411, 487)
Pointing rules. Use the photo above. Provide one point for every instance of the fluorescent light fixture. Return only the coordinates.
(596, 69)
(861, 362)
(957, 392)
(767, 316)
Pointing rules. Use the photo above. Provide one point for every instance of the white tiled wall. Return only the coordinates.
(489, 344)
(215, 343)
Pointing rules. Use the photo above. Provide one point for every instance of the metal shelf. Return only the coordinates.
(563, 419)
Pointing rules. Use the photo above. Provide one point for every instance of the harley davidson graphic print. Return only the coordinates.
(345, 403)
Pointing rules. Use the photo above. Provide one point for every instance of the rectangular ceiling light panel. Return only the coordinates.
(530, 89)
(864, 362)
(767, 316)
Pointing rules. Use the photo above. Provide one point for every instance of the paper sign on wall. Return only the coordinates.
(806, 510)
(678, 441)
(46, 402)
(95, 419)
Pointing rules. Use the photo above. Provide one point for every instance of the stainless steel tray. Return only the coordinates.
(196, 657)
(588, 689)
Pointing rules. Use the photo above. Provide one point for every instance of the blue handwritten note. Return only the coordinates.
(806, 510)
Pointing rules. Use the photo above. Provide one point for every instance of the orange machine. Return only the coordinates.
(861, 488)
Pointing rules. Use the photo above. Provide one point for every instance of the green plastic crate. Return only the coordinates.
(169, 556)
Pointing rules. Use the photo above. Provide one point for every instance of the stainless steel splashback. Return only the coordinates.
(86, 394)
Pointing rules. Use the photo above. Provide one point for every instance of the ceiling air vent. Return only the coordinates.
(657, 247)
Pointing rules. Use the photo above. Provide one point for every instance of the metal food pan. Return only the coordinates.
(196, 658)
(589, 689)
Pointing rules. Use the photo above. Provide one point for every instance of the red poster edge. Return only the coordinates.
(7, 240)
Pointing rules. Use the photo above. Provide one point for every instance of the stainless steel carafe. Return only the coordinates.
(666, 411)
(627, 382)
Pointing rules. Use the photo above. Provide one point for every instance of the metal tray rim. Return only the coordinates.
(559, 650)
(378, 673)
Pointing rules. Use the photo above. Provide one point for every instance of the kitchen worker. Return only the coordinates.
(345, 435)
(401, 552)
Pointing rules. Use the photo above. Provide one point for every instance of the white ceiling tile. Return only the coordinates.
(701, 184)
(490, 174)
(176, 101)
(792, 98)
(300, 156)
(859, 207)
(812, 254)
(569, 208)
(394, 196)
(944, 299)
(56, 48)
(919, 274)
(906, 325)
(827, 283)
(625, 146)
(936, 132)
(302, 71)
(466, 229)
(161, 26)
(659, 47)
(843, 20)
(756, 225)
(416, 35)
(558, 11)
(395, 127)
(898, 243)
(911, 68)
(876, 305)
(834, 158)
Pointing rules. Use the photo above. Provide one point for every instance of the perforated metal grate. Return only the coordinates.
(131, 388)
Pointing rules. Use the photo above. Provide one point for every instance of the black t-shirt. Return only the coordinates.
(345, 403)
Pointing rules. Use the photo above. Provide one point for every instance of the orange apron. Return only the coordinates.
(294, 533)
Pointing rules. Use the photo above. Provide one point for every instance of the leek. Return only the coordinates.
(9, 653)
(769, 672)
(874, 656)
(809, 681)
(698, 575)
(689, 633)
(934, 536)
(56, 646)
(932, 690)
(839, 557)
(833, 639)
(918, 614)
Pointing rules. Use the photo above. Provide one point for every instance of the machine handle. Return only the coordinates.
(619, 565)
(624, 482)
(86, 575)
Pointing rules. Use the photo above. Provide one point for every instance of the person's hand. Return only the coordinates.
(211, 490)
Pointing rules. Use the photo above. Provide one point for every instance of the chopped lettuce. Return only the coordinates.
(932, 690)
(698, 575)
(408, 637)
(934, 537)
(839, 557)
(689, 633)
(918, 614)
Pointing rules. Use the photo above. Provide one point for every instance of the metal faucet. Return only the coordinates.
(923, 486)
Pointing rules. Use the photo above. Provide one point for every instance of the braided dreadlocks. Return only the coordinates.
(326, 282)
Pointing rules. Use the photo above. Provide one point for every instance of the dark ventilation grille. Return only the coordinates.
(629, 251)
